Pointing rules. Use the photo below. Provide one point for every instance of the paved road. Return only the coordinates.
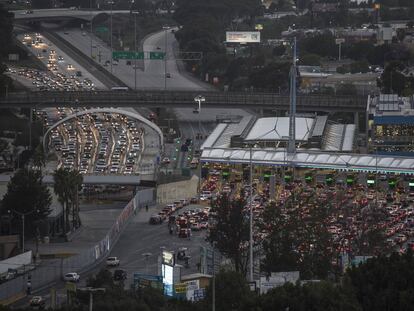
(140, 237)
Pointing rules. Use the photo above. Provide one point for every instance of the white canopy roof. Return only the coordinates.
(277, 128)
(312, 159)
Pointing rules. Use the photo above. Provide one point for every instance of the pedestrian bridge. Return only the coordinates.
(183, 99)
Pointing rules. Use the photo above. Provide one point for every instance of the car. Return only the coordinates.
(71, 277)
(166, 160)
(155, 220)
(168, 75)
(120, 275)
(37, 301)
(112, 261)
(184, 233)
(195, 226)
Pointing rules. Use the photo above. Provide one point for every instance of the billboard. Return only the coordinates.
(147, 280)
(243, 36)
(167, 279)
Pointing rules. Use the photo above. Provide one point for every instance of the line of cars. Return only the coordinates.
(104, 143)
(182, 222)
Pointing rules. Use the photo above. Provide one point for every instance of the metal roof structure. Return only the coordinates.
(311, 159)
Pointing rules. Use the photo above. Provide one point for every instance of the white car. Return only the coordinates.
(112, 261)
(71, 277)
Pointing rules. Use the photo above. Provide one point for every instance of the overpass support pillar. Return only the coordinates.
(356, 121)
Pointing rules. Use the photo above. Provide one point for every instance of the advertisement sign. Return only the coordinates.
(180, 288)
(168, 258)
(242, 36)
(191, 287)
(199, 294)
(167, 279)
(147, 280)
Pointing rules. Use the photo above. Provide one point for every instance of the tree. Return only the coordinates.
(66, 187)
(232, 292)
(27, 194)
(230, 232)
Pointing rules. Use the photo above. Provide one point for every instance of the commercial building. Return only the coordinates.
(390, 125)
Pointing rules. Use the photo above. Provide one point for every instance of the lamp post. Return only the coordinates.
(111, 3)
(251, 216)
(198, 99)
(90, 7)
(135, 48)
(22, 215)
(165, 55)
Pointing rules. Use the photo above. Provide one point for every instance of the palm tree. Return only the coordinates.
(66, 187)
(60, 188)
(75, 180)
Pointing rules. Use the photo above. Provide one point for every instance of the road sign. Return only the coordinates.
(156, 55)
(102, 29)
(339, 40)
(127, 55)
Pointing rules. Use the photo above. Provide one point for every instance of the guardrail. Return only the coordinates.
(45, 276)
(182, 99)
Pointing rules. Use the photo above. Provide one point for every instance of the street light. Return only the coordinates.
(22, 215)
(111, 3)
(165, 55)
(135, 48)
(198, 99)
(90, 7)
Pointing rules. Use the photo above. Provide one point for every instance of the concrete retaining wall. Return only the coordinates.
(168, 193)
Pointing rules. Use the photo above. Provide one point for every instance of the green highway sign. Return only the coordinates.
(127, 55)
(137, 55)
(156, 55)
(101, 29)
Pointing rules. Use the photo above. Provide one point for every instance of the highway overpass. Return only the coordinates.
(177, 99)
(54, 14)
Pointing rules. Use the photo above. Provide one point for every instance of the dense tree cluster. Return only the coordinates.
(26, 194)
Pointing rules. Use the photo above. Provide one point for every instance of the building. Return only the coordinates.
(312, 132)
(390, 125)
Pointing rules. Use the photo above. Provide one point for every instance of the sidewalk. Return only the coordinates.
(96, 221)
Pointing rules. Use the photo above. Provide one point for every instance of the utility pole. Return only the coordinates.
(90, 6)
(135, 49)
(112, 49)
(251, 218)
(292, 114)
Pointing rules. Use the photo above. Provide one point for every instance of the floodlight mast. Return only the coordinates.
(292, 113)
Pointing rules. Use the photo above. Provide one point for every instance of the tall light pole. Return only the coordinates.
(292, 113)
(135, 48)
(165, 56)
(90, 7)
(251, 217)
(112, 49)
(22, 215)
